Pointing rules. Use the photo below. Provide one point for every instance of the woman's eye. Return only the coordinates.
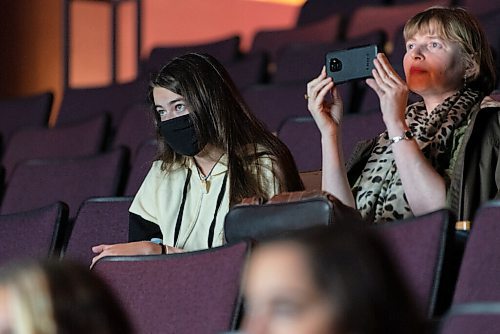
(180, 107)
(435, 45)
(161, 112)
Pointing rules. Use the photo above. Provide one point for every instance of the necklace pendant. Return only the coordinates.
(206, 185)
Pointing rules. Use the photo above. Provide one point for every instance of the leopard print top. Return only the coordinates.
(378, 191)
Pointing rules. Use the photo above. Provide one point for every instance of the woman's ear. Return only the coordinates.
(471, 69)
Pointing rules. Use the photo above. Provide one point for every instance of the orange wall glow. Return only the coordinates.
(287, 2)
(165, 22)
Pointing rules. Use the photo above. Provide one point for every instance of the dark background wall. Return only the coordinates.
(30, 47)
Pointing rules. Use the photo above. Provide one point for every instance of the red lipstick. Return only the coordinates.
(416, 70)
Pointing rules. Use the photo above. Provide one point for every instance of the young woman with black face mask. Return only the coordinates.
(213, 153)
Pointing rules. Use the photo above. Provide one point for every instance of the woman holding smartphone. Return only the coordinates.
(429, 156)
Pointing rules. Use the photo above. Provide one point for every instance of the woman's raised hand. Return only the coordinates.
(326, 114)
(391, 90)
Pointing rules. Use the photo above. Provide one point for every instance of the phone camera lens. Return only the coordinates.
(335, 65)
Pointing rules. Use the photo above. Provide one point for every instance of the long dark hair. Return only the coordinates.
(353, 268)
(222, 119)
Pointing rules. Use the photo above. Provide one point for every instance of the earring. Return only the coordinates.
(465, 80)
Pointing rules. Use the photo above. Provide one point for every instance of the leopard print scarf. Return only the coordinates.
(378, 192)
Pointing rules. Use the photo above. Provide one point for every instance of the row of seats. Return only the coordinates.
(114, 120)
(46, 231)
(276, 67)
(79, 139)
(314, 10)
(78, 159)
(68, 163)
(426, 249)
(38, 182)
(421, 247)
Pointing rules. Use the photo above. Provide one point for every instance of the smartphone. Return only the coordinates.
(351, 64)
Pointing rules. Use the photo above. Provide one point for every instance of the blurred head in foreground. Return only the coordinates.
(331, 280)
(57, 297)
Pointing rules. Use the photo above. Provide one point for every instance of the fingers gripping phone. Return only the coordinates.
(351, 64)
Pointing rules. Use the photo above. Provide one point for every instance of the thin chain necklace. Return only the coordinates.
(204, 178)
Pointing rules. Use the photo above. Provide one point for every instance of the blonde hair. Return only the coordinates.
(457, 25)
(29, 301)
(50, 297)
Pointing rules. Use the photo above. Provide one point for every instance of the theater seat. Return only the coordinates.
(196, 292)
(100, 220)
(33, 234)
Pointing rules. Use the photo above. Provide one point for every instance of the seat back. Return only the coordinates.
(306, 147)
(398, 51)
(420, 247)
(32, 234)
(248, 71)
(272, 41)
(480, 269)
(406, 2)
(143, 160)
(481, 318)
(388, 18)
(80, 139)
(359, 127)
(101, 220)
(224, 50)
(479, 7)
(82, 103)
(196, 292)
(2, 180)
(35, 183)
(495, 95)
(369, 102)
(286, 212)
(489, 22)
(303, 62)
(303, 139)
(273, 104)
(136, 127)
(24, 111)
(317, 10)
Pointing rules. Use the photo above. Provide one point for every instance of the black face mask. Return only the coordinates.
(179, 133)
